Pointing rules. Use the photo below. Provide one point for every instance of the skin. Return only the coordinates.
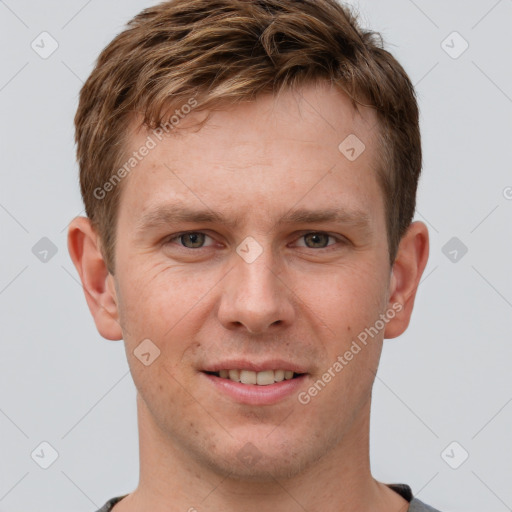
(303, 299)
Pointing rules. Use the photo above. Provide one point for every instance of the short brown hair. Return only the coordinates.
(233, 50)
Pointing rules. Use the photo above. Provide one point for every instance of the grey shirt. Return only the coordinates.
(415, 505)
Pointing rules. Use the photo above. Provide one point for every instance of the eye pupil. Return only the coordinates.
(315, 237)
(194, 238)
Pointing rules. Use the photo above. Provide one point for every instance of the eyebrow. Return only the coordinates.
(165, 215)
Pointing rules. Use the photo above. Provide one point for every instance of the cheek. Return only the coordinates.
(347, 298)
(349, 307)
(145, 287)
(163, 302)
(163, 391)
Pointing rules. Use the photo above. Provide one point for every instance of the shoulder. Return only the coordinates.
(418, 506)
(415, 505)
(110, 504)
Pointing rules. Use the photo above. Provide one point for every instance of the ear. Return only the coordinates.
(410, 262)
(97, 282)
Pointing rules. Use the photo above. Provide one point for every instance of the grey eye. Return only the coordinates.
(196, 239)
(319, 240)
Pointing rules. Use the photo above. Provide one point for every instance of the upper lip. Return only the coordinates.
(243, 364)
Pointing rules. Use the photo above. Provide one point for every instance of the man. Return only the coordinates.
(249, 171)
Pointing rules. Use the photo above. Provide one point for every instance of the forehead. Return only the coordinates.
(308, 147)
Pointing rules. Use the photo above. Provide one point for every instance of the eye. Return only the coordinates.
(318, 240)
(196, 240)
(190, 239)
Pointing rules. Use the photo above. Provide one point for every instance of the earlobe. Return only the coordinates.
(97, 283)
(410, 262)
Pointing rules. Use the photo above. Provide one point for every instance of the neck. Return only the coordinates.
(339, 481)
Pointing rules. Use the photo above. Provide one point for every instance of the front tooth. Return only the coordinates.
(265, 378)
(224, 374)
(288, 374)
(234, 375)
(279, 375)
(247, 377)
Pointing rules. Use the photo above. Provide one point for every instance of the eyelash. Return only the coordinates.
(343, 241)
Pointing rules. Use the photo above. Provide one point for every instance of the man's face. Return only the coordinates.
(258, 291)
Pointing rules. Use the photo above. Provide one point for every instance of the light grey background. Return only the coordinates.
(446, 379)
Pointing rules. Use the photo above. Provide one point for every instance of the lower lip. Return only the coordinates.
(252, 394)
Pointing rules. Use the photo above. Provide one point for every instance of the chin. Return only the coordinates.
(259, 460)
(264, 470)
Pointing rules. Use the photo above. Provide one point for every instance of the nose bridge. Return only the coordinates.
(253, 294)
(256, 271)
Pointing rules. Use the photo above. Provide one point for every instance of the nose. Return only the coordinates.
(255, 296)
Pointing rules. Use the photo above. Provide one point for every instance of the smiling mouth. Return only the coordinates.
(249, 377)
